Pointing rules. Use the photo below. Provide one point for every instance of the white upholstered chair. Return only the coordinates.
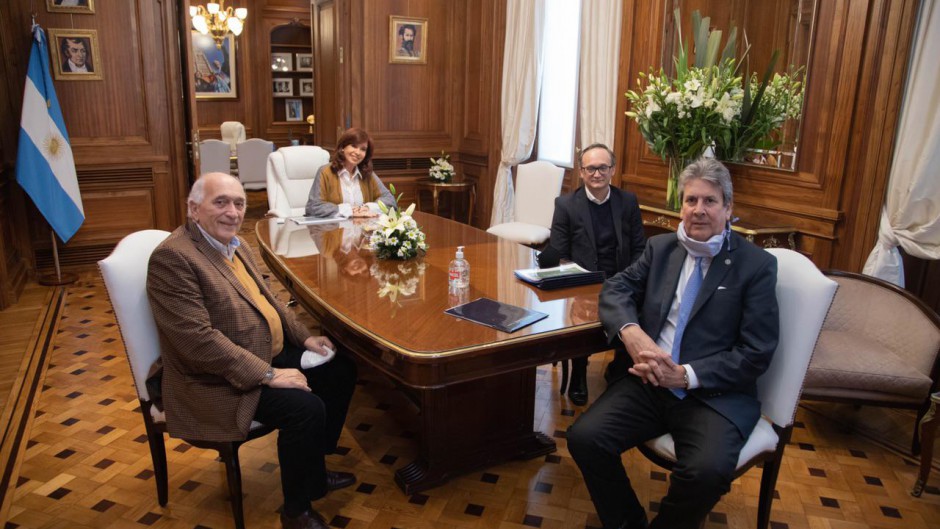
(290, 174)
(804, 295)
(538, 184)
(252, 160)
(214, 157)
(125, 278)
(233, 133)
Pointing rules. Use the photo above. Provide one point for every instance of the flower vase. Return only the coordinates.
(675, 166)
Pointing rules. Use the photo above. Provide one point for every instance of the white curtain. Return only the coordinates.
(522, 74)
(600, 55)
(911, 214)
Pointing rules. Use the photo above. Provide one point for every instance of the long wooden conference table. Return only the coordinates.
(475, 385)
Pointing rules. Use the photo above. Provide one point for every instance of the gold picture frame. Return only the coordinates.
(65, 44)
(81, 7)
(407, 40)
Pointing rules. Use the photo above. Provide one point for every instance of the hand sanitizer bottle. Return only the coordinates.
(459, 271)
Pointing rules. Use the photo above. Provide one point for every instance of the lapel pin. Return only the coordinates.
(727, 261)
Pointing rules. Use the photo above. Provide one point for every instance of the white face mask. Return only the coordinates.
(709, 248)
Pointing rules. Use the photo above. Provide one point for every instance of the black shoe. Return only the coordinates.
(578, 390)
(339, 480)
(309, 519)
(640, 523)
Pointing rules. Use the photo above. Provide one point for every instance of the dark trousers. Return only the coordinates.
(629, 413)
(309, 424)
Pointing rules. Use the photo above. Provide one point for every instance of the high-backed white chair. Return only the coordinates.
(804, 295)
(252, 160)
(125, 278)
(538, 184)
(233, 133)
(214, 157)
(290, 174)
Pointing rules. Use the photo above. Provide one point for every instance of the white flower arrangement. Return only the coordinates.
(397, 235)
(441, 170)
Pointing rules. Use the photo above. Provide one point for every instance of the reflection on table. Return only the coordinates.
(391, 315)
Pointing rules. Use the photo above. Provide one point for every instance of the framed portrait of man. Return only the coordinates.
(75, 55)
(407, 40)
(214, 72)
(84, 7)
(306, 87)
(282, 87)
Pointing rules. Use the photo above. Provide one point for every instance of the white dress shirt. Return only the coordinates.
(352, 193)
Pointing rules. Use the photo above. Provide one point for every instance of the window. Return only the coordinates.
(559, 98)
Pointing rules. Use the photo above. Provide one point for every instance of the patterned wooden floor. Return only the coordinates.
(86, 463)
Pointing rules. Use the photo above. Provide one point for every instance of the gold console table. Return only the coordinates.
(659, 220)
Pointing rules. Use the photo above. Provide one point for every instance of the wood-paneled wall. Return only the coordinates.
(853, 95)
(126, 130)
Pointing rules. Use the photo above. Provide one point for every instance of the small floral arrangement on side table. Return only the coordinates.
(441, 169)
(397, 235)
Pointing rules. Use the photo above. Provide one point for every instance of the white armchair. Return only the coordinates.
(538, 184)
(252, 158)
(214, 157)
(804, 295)
(233, 133)
(290, 175)
(125, 278)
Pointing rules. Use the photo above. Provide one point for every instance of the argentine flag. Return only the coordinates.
(44, 164)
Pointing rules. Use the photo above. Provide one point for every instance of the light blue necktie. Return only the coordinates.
(685, 310)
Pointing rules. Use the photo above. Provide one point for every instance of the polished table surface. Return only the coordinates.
(391, 315)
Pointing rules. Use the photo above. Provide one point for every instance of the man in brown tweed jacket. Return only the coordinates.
(231, 351)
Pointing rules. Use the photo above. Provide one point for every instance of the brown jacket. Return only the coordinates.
(216, 345)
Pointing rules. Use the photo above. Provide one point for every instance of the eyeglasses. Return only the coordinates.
(595, 169)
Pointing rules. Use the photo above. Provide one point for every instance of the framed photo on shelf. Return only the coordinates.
(282, 62)
(283, 87)
(214, 68)
(75, 55)
(304, 62)
(306, 87)
(84, 7)
(407, 40)
(294, 110)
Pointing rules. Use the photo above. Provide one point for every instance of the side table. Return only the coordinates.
(454, 186)
(928, 431)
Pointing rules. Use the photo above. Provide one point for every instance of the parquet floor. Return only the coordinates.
(86, 463)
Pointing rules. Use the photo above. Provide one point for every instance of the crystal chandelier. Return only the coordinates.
(218, 20)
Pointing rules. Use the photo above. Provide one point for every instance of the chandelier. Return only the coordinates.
(218, 20)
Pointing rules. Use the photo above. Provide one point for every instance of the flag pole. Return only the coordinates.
(59, 278)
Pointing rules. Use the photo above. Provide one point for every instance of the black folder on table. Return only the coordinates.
(495, 314)
(566, 275)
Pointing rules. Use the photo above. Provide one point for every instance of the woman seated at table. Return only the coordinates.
(347, 186)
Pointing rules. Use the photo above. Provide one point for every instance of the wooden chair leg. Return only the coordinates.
(928, 431)
(229, 455)
(564, 376)
(768, 480)
(157, 455)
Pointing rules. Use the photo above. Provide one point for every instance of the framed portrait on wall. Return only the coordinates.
(304, 62)
(282, 87)
(282, 62)
(294, 109)
(214, 72)
(84, 7)
(75, 55)
(407, 40)
(306, 87)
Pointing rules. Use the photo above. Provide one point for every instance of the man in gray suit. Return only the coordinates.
(599, 227)
(698, 316)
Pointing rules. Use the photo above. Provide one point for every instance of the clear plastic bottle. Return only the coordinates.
(459, 271)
